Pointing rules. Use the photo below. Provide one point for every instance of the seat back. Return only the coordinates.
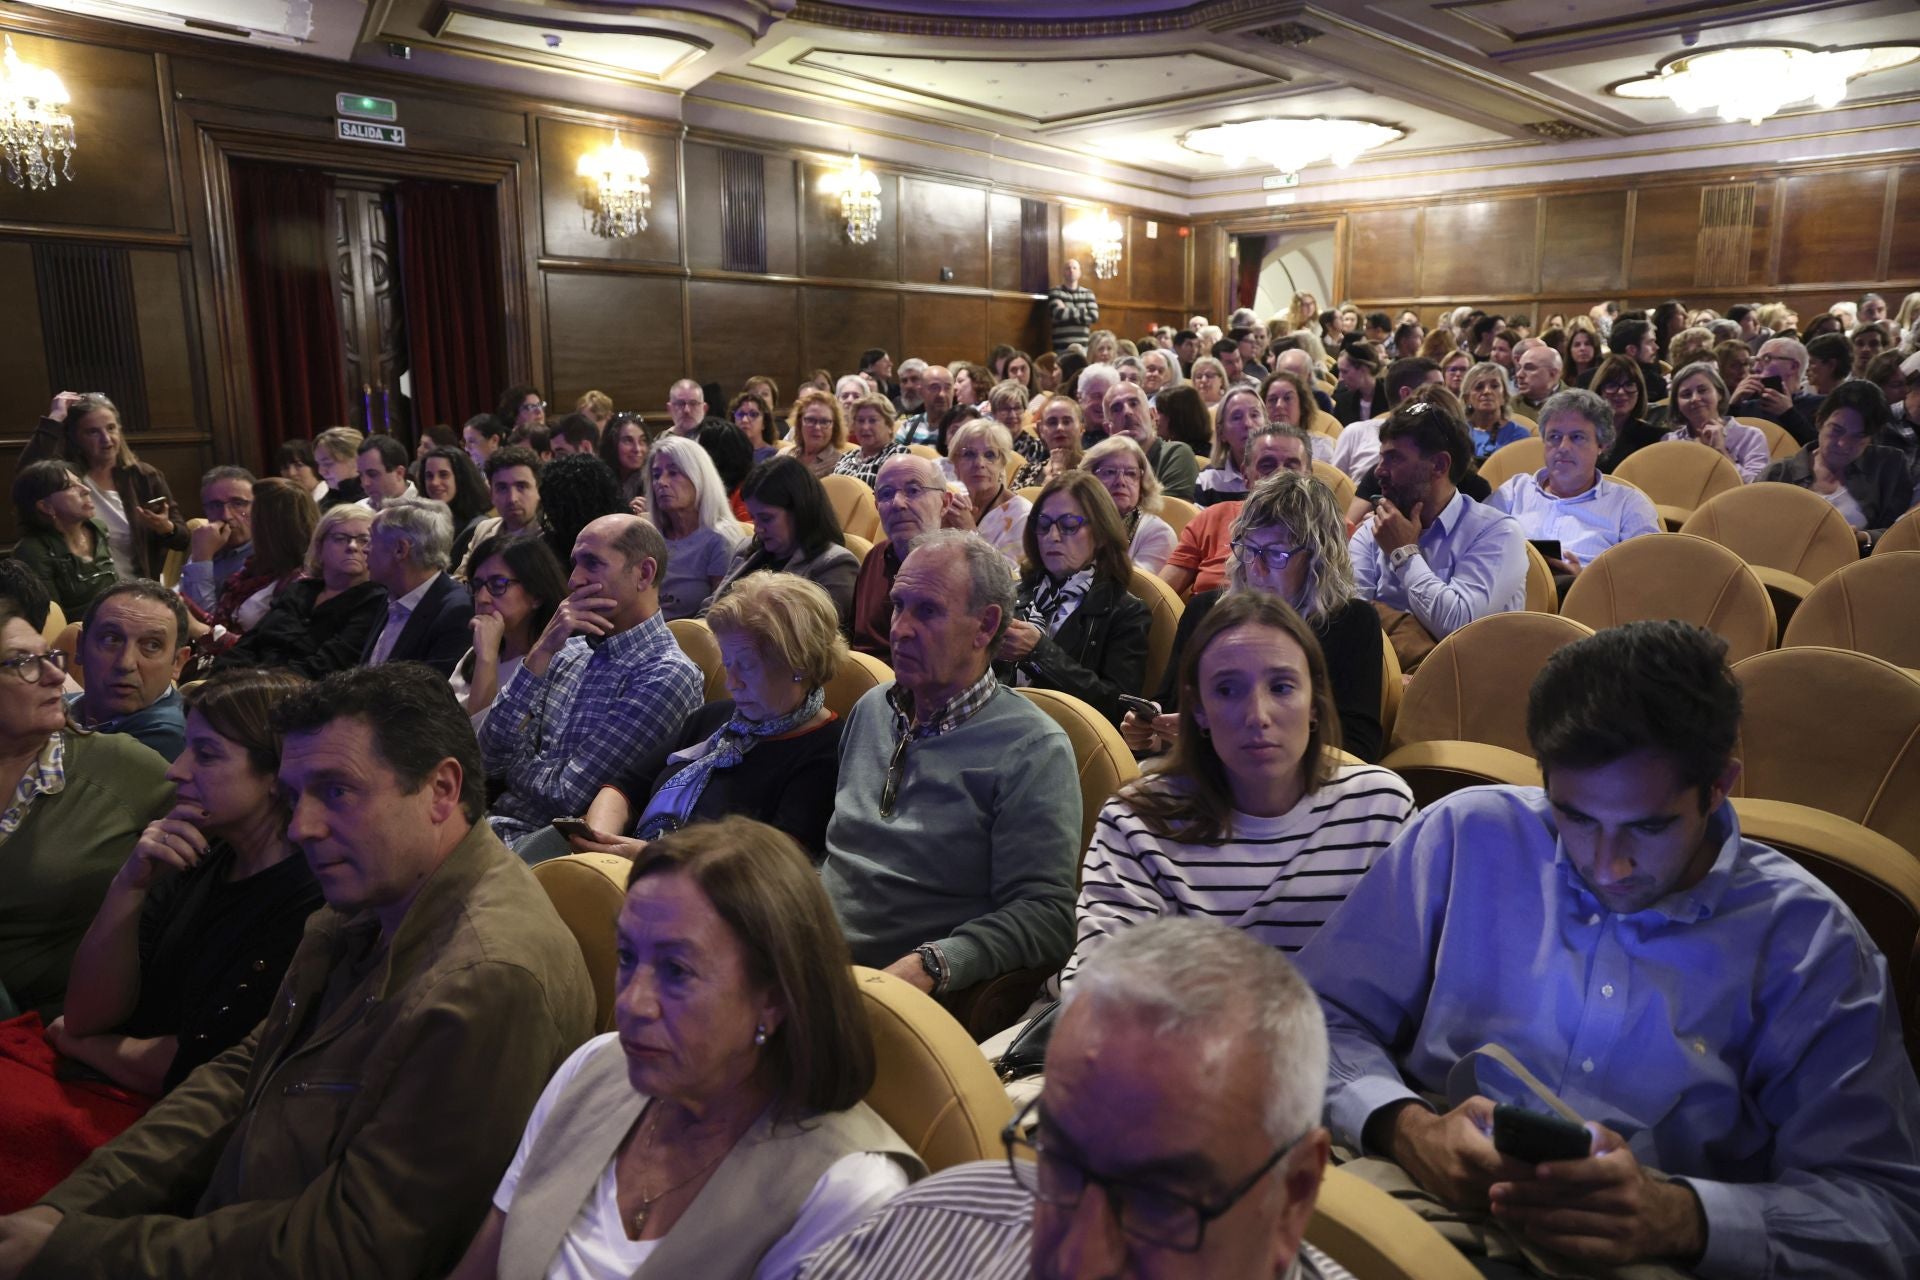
(1780, 526)
(1679, 475)
(858, 545)
(1100, 755)
(1393, 687)
(1675, 576)
(1871, 606)
(1031, 493)
(68, 642)
(1473, 686)
(698, 643)
(1165, 606)
(56, 622)
(1902, 535)
(858, 673)
(1522, 457)
(1375, 1237)
(926, 451)
(1543, 593)
(1780, 441)
(1177, 512)
(176, 561)
(587, 890)
(1835, 731)
(932, 1083)
(1338, 481)
(853, 505)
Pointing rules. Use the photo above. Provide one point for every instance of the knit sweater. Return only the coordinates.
(979, 853)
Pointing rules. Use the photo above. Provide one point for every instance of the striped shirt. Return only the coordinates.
(1278, 878)
(969, 1222)
(865, 469)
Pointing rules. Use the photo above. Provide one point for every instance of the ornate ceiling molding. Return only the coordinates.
(1560, 130)
(1199, 17)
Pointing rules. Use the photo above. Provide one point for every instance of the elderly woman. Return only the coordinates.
(320, 623)
(754, 417)
(61, 539)
(1161, 369)
(1209, 377)
(1484, 394)
(688, 504)
(1075, 628)
(818, 426)
(1867, 483)
(794, 531)
(1120, 465)
(1238, 415)
(1568, 501)
(980, 451)
(1699, 405)
(517, 584)
(1007, 405)
(1290, 540)
(1251, 820)
(848, 390)
(871, 430)
(1061, 430)
(130, 497)
(719, 1131)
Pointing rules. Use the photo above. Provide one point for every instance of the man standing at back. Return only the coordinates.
(1072, 311)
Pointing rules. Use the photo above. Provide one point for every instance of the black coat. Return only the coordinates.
(437, 633)
(311, 640)
(1099, 652)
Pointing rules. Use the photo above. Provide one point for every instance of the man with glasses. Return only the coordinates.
(1772, 389)
(687, 406)
(913, 500)
(1128, 414)
(221, 545)
(1178, 1133)
(956, 824)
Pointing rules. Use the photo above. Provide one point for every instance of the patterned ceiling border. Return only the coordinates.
(1198, 17)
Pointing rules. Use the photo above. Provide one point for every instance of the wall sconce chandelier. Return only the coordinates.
(35, 129)
(859, 192)
(1106, 237)
(1291, 145)
(1752, 82)
(619, 196)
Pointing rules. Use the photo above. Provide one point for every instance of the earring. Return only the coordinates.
(797, 677)
(760, 1034)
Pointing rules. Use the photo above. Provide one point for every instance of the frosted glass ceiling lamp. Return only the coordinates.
(1291, 145)
(1752, 82)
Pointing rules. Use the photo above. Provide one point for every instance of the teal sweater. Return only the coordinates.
(56, 866)
(980, 853)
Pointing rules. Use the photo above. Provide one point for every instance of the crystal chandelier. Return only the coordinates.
(1752, 82)
(620, 197)
(1291, 145)
(1106, 237)
(859, 192)
(35, 129)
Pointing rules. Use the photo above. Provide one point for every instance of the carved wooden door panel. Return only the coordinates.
(372, 320)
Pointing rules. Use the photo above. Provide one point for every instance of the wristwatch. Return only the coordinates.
(1398, 557)
(934, 963)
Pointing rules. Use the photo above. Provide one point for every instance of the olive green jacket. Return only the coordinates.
(372, 1148)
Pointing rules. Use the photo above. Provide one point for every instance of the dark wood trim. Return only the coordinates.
(1886, 222)
(101, 235)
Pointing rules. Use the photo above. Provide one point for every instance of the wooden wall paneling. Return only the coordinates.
(824, 249)
(942, 225)
(1666, 235)
(944, 327)
(1003, 237)
(783, 216)
(160, 305)
(620, 333)
(741, 329)
(1159, 261)
(1764, 217)
(1903, 256)
(1582, 242)
(1209, 255)
(564, 217)
(24, 389)
(1831, 226)
(1477, 246)
(428, 116)
(1020, 322)
(1382, 259)
(837, 324)
(705, 246)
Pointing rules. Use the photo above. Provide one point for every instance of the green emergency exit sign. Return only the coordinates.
(353, 104)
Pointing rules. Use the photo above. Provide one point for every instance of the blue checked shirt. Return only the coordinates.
(558, 738)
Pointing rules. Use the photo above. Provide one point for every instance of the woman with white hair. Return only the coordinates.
(979, 452)
(1160, 369)
(688, 504)
(1121, 466)
(1209, 378)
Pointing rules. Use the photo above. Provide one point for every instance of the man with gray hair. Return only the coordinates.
(1772, 389)
(1160, 369)
(912, 371)
(1178, 1133)
(1128, 414)
(429, 614)
(687, 407)
(1095, 381)
(956, 826)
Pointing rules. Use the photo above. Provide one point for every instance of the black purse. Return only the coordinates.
(1027, 1055)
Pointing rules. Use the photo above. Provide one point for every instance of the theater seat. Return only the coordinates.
(858, 673)
(1177, 512)
(1871, 606)
(857, 544)
(1543, 593)
(926, 451)
(68, 642)
(1100, 754)
(1790, 537)
(56, 622)
(1031, 493)
(587, 890)
(1376, 1237)
(176, 560)
(1338, 481)
(1679, 475)
(1166, 607)
(1393, 687)
(1675, 576)
(932, 1085)
(1780, 441)
(853, 505)
(1522, 457)
(1902, 535)
(697, 642)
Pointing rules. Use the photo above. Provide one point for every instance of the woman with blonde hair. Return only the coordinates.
(320, 623)
(1483, 393)
(1209, 377)
(871, 431)
(817, 426)
(1120, 465)
(688, 503)
(1007, 404)
(980, 451)
(1061, 430)
(1238, 415)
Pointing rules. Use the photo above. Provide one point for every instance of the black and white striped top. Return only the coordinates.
(1279, 878)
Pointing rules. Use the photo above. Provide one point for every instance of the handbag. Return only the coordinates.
(1027, 1055)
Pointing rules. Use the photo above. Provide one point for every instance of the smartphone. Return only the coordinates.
(1537, 1138)
(571, 827)
(155, 505)
(1140, 707)
(1772, 383)
(1548, 547)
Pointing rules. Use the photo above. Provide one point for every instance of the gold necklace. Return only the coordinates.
(640, 1215)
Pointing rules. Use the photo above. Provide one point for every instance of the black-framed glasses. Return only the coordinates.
(340, 539)
(1068, 525)
(1275, 559)
(26, 668)
(1152, 1215)
(896, 769)
(496, 586)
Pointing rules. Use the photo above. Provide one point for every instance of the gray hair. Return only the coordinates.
(1103, 374)
(912, 364)
(1219, 991)
(1149, 482)
(1129, 362)
(928, 469)
(1309, 511)
(1699, 369)
(1479, 372)
(331, 519)
(1582, 404)
(989, 572)
(425, 524)
(1170, 359)
(1791, 346)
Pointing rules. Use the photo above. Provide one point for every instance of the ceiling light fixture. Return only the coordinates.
(1752, 82)
(618, 196)
(1290, 145)
(859, 192)
(1105, 236)
(35, 129)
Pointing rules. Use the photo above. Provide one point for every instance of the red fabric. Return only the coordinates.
(449, 264)
(1247, 282)
(1204, 546)
(283, 226)
(51, 1124)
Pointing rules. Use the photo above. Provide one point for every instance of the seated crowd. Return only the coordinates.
(278, 984)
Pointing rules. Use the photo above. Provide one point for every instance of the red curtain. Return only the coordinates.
(282, 219)
(449, 252)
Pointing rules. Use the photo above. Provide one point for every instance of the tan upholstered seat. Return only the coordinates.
(1679, 475)
(1543, 593)
(1675, 576)
(853, 505)
(1031, 493)
(1522, 457)
(1790, 537)
(56, 622)
(1338, 481)
(858, 673)
(176, 561)
(68, 642)
(1902, 535)
(1177, 512)
(587, 890)
(1835, 731)
(1871, 606)
(858, 545)
(932, 1084)
(924, 451)
(1527, 421)
(1100, 755)
(698, 643)
(1393, 687)
(1780, 441)
(1166, 607)
(1376, 1237)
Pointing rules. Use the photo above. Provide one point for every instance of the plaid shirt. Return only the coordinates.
(955, 713)
(557, 739)
(47, 775)
(866, 470)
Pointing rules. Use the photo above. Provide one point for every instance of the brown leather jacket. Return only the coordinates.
(372, 1147)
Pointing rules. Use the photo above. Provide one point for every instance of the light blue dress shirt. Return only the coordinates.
(1472, 562)
(201, 580)
(1741, 1034)
(1604, 516)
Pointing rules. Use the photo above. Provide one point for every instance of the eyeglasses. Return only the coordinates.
(1151, 1215)
(237, 507)
(817, 422)
(1275, 559)
(911, 492)
(896, 769)
(350, 539)
(1067, 525)
(496, 585)
(27, 667)
(1111, 474)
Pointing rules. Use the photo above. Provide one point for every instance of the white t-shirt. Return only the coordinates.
(113, 514)
(509, 668)
(596, 1245)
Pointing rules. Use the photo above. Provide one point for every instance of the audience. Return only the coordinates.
(623, 447)
(282, 521)
(1199, 560)
(513, 479)
(1637, 341)
(517, 584)
(686, 407)
(218, 549)
(336, 456)
(1119, 464)
(818, 429)
(383, 471)
(1061, 431)
(687, 503)
(1771, 388)
(936, 398)
(131, 498)
(575, 432)
(1698, 400)
(60, 539)
(448, 476)
(575, 490)
(1868, 483)
(1357, 450)
(1490, 421)
(428, 611)
(794, 532)
(1536, 376)
(1358, 367)
(1238, 416)
(871, 432)
(133, 644)
(982, 457)
(323, 622)
(480, 437)
(1170, 462)
(1618, 381)
(912, 501)
(753, 416)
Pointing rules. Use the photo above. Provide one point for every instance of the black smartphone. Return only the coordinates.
(1140, 707)
(1537, 1138)
(155, 505)
(1772, 383)
(1548, 547)
(571, 827)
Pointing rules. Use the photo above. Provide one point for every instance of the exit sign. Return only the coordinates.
(386, 135)
(354, 104)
